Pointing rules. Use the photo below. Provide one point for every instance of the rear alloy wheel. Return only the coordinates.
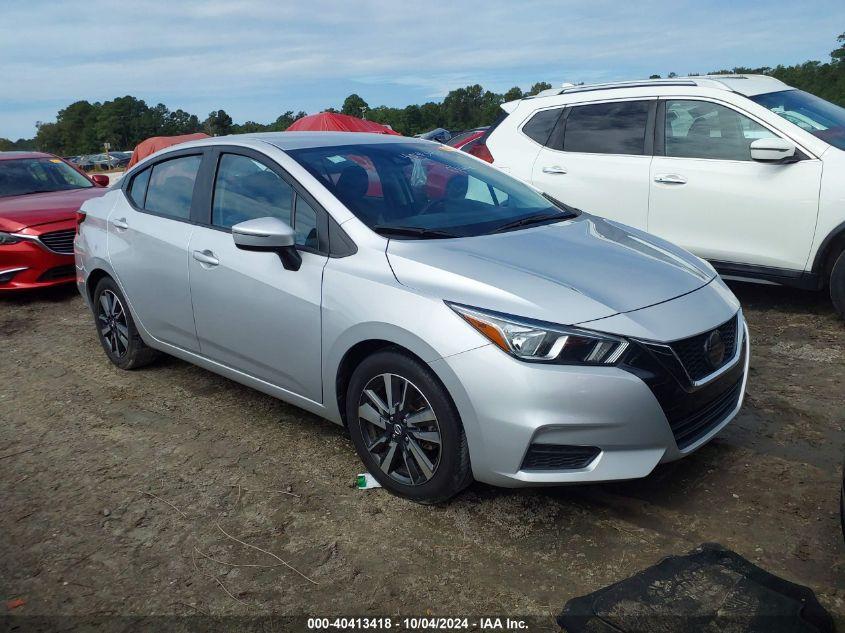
(116, 329)
(111, 317)
(406, 428)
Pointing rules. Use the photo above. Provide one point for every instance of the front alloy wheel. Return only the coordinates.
(400, 429)
(406, 428)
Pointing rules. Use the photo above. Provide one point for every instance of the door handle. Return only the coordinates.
(670, 179)
(206, 257)
(120, 223)
(554, 169)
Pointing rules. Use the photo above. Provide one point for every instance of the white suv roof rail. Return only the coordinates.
(724, 82)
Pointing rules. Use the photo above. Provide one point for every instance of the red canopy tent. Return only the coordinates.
(155, 143)
(333, 122)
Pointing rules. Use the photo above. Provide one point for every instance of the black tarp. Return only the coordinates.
(711, 590)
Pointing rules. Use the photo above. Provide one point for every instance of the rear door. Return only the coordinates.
(149, 230)
(598, 157)
(251, 313)
(710, 197)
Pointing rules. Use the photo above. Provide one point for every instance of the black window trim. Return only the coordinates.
(126, 183)
(660, 128)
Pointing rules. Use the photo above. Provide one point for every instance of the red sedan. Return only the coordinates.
(39, 197)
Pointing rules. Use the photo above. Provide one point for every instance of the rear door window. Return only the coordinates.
(607, 128)
(171, 187)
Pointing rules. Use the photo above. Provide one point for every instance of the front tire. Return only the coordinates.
(406, 428)
(116, 328)
(837, 284)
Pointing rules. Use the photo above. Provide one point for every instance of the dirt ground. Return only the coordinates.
(124, 492)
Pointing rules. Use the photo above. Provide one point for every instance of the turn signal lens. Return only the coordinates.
(80, 218)
(481, 151)
(537, 341)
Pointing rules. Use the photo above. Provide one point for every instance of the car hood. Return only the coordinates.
(19, 212)
(569, 272)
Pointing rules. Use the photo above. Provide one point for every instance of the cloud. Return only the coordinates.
(282, 55)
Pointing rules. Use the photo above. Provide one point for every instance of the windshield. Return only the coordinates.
(21, 176)
(818, 117)
(419, 190)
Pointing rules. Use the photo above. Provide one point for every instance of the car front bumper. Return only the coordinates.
(508, 405)
(29, 264)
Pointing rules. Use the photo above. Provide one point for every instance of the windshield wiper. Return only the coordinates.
(532, 219)
(412, 231)
(562, 205)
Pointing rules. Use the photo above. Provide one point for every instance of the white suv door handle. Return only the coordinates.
(670, 179)
(206, 257)
(120, 223)
(554, 169)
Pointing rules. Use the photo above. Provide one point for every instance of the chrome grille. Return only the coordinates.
(59, 241)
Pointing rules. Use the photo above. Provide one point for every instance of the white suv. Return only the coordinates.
(742, 170)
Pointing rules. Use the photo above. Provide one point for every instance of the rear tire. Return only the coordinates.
(837, 284)
(410, 438)
(116, 328)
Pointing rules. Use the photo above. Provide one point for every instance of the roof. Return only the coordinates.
(19, 154)
(302, 140)
(748, 85)
(336, 122)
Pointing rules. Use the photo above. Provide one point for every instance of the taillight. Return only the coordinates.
(480, 151)
(80, 218)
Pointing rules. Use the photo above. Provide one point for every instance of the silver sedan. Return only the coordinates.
(458, 322)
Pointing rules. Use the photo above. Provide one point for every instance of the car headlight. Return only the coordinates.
(8, 238)
(537, 341)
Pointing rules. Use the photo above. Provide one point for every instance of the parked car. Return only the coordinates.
(39, 197)
(742, 170)
(438, 134)
(489, 333)
(465, 141)
(112, 160)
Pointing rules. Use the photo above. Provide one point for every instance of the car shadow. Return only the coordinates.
(51, 294)
(767, 297)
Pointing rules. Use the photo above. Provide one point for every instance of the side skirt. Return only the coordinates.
(764, 274)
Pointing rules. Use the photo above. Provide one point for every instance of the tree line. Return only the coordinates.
(83, 127)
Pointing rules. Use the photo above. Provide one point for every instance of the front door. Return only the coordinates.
(251, 313)
(598, 159)
(710, 197)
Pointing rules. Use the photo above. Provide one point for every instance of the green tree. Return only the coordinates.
(539, 87)
(180, 122)
(218, 123)
(838, 55)
(513, 94)
(354, 106)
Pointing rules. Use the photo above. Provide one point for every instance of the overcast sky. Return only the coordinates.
(256, 59)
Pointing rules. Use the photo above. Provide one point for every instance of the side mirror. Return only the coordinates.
(100, 179)
(773, 150)
(269, 235)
